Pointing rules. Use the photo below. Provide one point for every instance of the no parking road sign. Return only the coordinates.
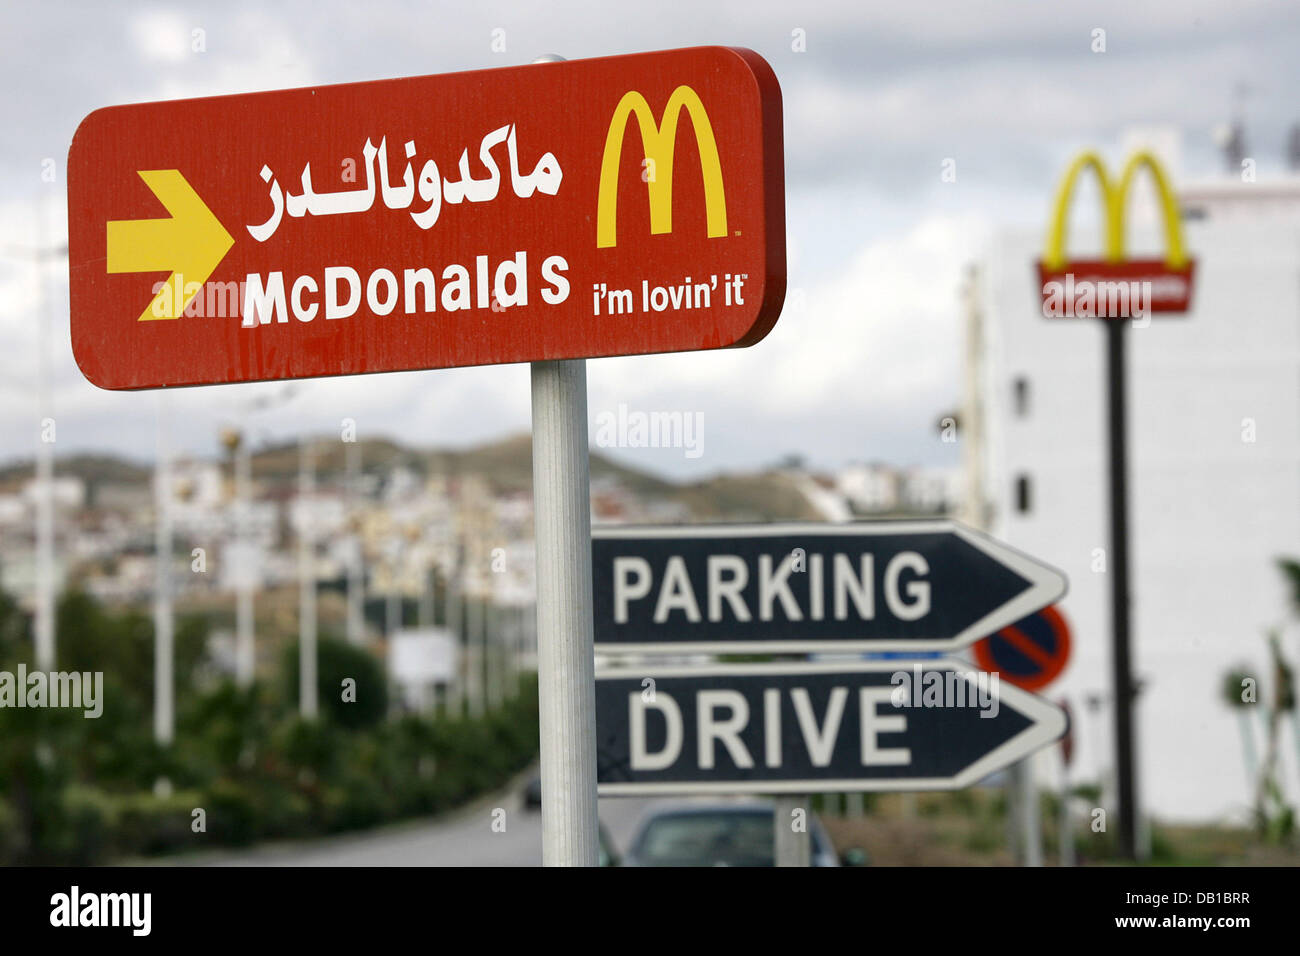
(1030, 653)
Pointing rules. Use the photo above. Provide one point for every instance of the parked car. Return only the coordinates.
(533, 794)
(607, 855)
(724, 835)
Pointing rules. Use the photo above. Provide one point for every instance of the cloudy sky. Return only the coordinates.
(866, 356)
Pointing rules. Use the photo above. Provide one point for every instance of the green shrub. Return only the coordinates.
(337, 661)
(232, 812)
(91, 820)
(76, 790)
(149, 824)
(11, 837)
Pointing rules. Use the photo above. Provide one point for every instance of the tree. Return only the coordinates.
(364, 703)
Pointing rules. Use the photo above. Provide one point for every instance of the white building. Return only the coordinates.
(14, 510)
(67, 492)
(822, 495)
(198, 483)
(931, 490)
(869, 487)
(1214, 477)
(421, 660)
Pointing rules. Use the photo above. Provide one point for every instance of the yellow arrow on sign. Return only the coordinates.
(190, 245)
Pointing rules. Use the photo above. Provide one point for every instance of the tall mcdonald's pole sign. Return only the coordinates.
(1116, 289)
(546, 213)
(1116, 286)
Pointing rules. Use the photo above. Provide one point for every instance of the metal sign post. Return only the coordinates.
(163, 621)
(1066, 823)
(565, 654)
(455, 619)
(44, 629)
(1030, 839)
(307, 664)
(356, 615)
(1121, 664)
(792, 846)
(245, 647)
(474, 654)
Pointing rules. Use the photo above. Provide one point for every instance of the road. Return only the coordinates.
(463, 838)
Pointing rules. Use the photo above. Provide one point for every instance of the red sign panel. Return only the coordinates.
(1116, 290)
(615, 206)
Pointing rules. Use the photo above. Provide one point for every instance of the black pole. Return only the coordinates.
(1120, 656)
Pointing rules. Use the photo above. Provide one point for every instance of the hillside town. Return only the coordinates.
(401, 518)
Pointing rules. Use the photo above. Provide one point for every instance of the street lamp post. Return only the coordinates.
(356, 554)
(44, 610)
(164, 622)
(307, 663)
(236, 443)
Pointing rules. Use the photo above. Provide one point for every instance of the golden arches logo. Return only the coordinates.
(1114, 199)
(659, 140)
(1115, 286)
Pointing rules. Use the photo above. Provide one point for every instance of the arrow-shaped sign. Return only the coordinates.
(799, 728)
(190, 244)
(795, 588)
(356, 274)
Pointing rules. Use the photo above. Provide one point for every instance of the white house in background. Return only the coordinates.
(419, 661)
(823, 496)
(1214, 456)
(324, 512)
(931, 490)
(197, 483)
(402, 484)
(14, 510)
(68, 491)
(869, 487)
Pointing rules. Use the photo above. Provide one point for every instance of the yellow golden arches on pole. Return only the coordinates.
(1175, 255)
(1114, 199)
(659, 140)
(1054, 254)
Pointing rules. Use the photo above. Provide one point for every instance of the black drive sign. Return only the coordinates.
(800, 728)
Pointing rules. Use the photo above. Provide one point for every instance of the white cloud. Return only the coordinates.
(240, 51)
(161, 36)
(882, 328)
